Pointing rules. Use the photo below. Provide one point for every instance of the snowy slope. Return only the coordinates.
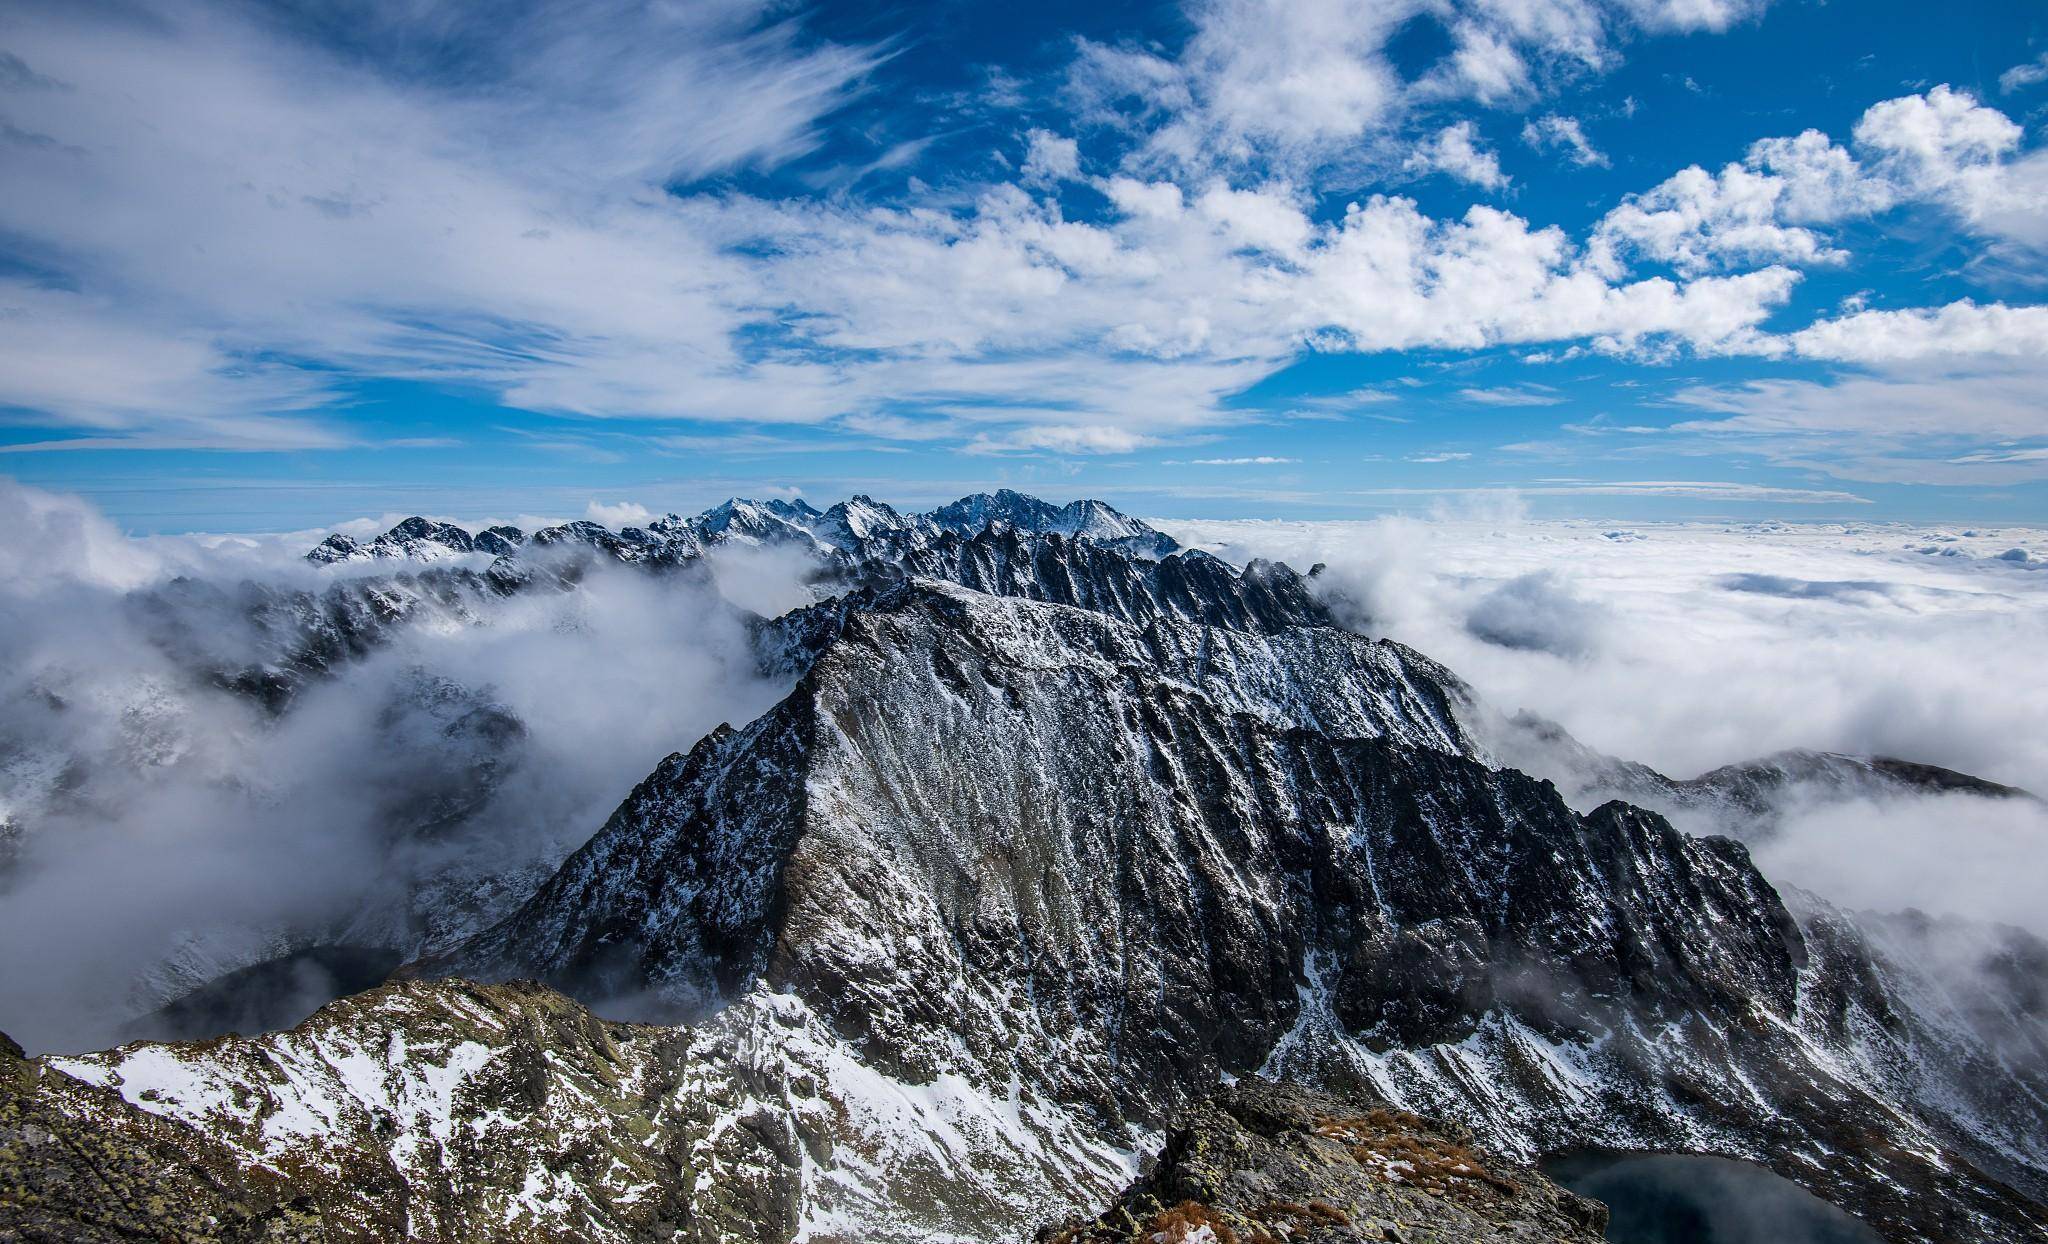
(1050, 837)
(1024, 844)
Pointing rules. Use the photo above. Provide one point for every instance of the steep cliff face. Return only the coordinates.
(1016, 844)
(1050, 838)
(949, 713)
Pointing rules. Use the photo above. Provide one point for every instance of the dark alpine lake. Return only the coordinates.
(1688, 1199)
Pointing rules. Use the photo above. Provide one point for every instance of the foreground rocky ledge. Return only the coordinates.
(444, 1113)
(1262, 1162)
(1259, 1163)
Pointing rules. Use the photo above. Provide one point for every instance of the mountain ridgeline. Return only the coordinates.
(426, 572)
(1058, 829)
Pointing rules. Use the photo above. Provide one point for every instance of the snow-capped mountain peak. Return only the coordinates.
(1090, 519)
(414, 539)
(852, 523)
(1054, 827)
(859, 527)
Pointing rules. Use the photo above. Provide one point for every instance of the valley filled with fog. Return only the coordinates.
(1692, 646)
(164, 828)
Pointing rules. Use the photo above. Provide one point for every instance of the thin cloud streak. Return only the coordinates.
(1705, 490)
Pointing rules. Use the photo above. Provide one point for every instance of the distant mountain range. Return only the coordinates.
(857, 528)
(1058, 829)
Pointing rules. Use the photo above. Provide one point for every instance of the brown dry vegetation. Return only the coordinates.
(1187, 1219)
(1274, 1223)
(1439, 1166)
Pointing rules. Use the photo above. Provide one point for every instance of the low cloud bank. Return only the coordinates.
(1537, 612)
(157, 829)
(1952, 854)
(1698, 645)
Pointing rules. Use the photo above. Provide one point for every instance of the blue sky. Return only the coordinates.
(272, 266)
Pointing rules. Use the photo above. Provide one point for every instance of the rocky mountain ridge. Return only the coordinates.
(1046, 841)
(857, 528)
(453, 745)
(1173, 861)
(1262, 1163)
(438, 574)
(561, 1123)
(1748, 799)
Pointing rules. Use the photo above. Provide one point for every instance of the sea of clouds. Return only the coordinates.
(1691, 646)
(157, 830)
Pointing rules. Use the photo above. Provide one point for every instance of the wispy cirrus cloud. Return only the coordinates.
(1517, 395)
(2024, 75)
(1698, 490)
(504, 226)
(316, 216)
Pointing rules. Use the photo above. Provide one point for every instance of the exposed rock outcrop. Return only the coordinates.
(1043, 852)
(1049, 838)
(1267, 1163)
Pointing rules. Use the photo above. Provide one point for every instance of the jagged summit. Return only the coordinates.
(857, 527)
(421, 575)
(769, 521)
(1002, 560)
(417, 539)
(1054, 828)
(853, 523)
(1040, 850)
(1091, 519)
(1003, 505)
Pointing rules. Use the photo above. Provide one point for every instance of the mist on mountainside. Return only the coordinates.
(162, 829)
(1654, 643)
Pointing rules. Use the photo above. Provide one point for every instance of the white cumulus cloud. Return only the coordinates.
(1564, 135)
(1455, 151)
(618, 513)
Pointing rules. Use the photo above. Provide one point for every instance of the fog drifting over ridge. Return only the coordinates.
(167, 829)
(1690, 646)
